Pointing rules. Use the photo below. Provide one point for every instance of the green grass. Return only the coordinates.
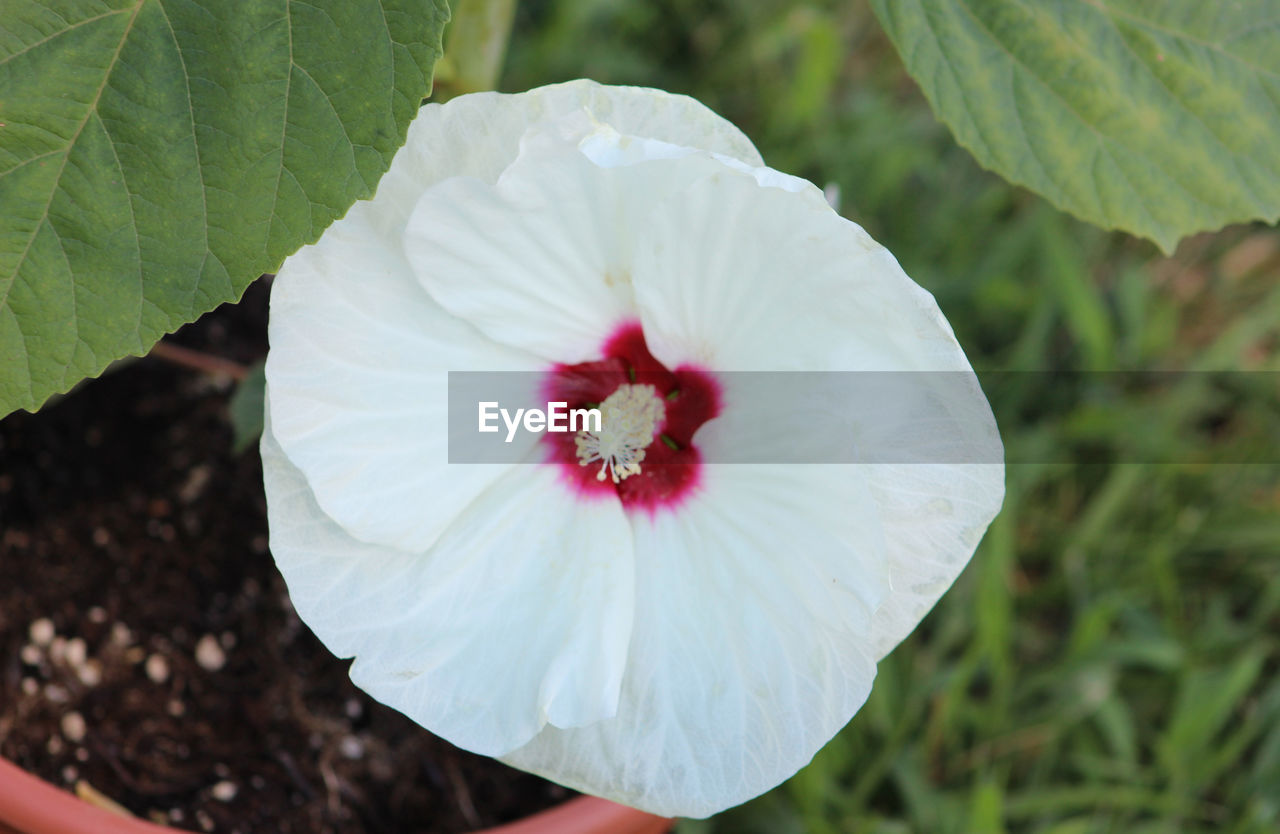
(1109, 661)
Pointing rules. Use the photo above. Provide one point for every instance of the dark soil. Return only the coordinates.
(181, 683)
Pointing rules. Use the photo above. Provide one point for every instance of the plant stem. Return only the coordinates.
(474, 48)
(194, 359)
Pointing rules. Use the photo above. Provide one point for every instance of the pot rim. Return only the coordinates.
(29, 805)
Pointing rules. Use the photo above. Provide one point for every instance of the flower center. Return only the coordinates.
(628, 419)
(645, 448)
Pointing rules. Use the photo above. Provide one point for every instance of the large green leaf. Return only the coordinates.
(1160, 117)
(158, 155)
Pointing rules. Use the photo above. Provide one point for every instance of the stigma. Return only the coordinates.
(629, 420)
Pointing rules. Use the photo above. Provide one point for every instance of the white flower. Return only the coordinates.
(679, 635)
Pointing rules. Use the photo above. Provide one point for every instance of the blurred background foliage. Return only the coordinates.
(1108, 662)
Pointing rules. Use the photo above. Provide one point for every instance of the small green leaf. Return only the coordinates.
(986, 813)
(1206, 700)
(1159, 118)
(156, 156)
(246, 408)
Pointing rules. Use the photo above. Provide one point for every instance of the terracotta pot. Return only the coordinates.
(587, 815)
(30, 806)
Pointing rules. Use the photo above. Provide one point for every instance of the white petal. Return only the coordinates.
(939, 487)
(537, 261)
(479, 135)
(738, 276)
(750, 647)
(551, 279)
(933, 516)
(357, 378)
(772, 283)
(542, 260)
(942, 485)
(609, 148)
(518, 617)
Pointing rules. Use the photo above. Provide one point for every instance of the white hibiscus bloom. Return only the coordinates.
(683, 635)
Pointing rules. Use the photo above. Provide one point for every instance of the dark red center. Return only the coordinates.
(671, 468)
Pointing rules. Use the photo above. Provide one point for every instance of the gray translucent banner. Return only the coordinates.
(923, 417)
